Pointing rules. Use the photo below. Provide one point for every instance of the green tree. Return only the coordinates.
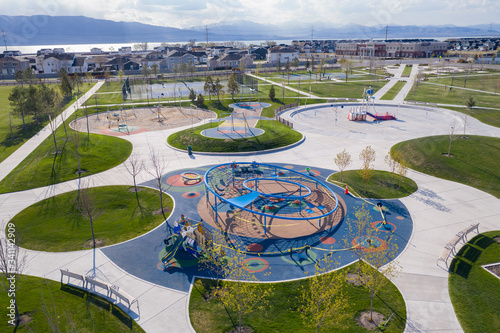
(146, 71)
(19, 76)
(295, 63)
(18, 98)
(208, 87)
(200, 101)
(66, 88)
(183, 68)
(391, 159)
(214, 257)
(367, 157)
(346, 65)
(121, 75)
(307, 64)
(233, 87)
(288, 66)
(323, 299)
(62, 73)
(29, 76)
(155, 70)
(192, 95)
(218, 89)
(242, 295)
(278, 65)
(272, 93)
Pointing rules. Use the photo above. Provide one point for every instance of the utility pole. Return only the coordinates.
(386, 28)
(312, 33)
(4, 33)
(206, 32)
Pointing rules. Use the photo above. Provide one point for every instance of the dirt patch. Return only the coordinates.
(244, 329)
(446, 154)
(24, 318)
(139, 119)
(365, 322)
(497, 239)
(132, 189)
(82, 171)
(99, 242)
(494, 269)
(354, 279)
(158, 211)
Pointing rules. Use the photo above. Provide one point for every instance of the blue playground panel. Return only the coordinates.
(142, 256)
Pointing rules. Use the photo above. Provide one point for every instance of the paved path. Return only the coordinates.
(439, 209)
(286, 86)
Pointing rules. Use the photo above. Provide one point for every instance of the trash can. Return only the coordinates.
(190, 150)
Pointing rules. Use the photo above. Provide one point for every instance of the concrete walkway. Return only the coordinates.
(286, 86)
(439, 210)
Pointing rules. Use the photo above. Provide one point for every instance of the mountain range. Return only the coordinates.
(55, 30)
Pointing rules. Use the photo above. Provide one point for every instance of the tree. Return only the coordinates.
(358, 228)
(66, 88)
(391, 159)
(452, 137)
(75, 138)
(377, 268)
(312, 62)
(272, 93)
(155, 70)
(200, 101)
(367, 156)
(278, 65)
(295, 63)
(29, 76)
(288, 66)
(134, 166)
(192, 95)
(343, 160)
(145, 72)
(89, 210)
(242, 295)
(121, 75)
(470, 103)
(233, 87)
(19, 76)
(402, 170)
(88, 77)
(323, 299)
(218, 89)
(346, 65)
(159, 166)
(307, 64)
(12, 265)
(18, 101)
(191, 68)
(208, 87)
(140, 46)
(214, 257)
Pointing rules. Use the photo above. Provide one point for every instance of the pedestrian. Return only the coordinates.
(346, 190)
(291, 252)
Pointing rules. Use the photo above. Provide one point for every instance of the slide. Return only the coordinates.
(387, 116)
(173, 249)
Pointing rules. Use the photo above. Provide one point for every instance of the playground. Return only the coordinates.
(282, 216)
(137, 120)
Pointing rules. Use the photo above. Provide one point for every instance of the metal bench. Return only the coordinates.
(70, 275)
(123, 296)
(96, 283)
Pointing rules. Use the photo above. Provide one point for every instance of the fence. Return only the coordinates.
(280, 109)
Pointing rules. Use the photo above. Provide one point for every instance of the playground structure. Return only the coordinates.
(367, 108)
(188, 236)
(268, 201)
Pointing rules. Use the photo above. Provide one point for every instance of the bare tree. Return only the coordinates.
(75, 137)
(470, 103)
(367, 156)
(12, 265)
(87, 206)
(402, 170)
(134, 166)
(343, 160)
(159, 167)
(452, 137)
(392, 161)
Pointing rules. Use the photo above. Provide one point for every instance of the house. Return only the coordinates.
(125, 50)
(178, 57)
(258, 53)
(227, 61)
(79, 65)
(200, 56)
(284, 54)
(10, 65)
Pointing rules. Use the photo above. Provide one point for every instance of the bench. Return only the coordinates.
(120, 127)
(123, 296)
(70, 275)
(460, 236)
(96, 283)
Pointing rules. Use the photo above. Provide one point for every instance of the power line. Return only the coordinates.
(4, 33)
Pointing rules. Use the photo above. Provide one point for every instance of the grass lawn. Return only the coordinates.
(485, 82)
(391, 93)
(10, 142)
(381, 186)
(351, 89)
(282, 313)
(407, 71)
(474, 161)
(55, 224)
(438, 94)
(474, 292)
(276, 135)
(43, 167)
(73, 309)
(487, 116)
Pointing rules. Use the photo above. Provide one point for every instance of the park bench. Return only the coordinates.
(121, 126)
(460, 236)
(96, 283)
(123, 296)
(72, 275)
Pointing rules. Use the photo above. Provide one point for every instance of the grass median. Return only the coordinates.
(55, 224)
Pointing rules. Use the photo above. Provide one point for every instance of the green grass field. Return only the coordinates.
(71, 309)
(393, 92)
(381, 186)
(282, 315)
(474, 292)
(276, 135)
(438, 94)
(407, 71)
(9, 142)
(339, 89)
(485, 82)
(474, 161)
(44, 167)
(487, 116)
(56, 225)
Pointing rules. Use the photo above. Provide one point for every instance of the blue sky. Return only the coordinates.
(289, 13)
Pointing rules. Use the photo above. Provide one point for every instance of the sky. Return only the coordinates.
(288, 13)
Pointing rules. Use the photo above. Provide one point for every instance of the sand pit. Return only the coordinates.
(133, 121)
